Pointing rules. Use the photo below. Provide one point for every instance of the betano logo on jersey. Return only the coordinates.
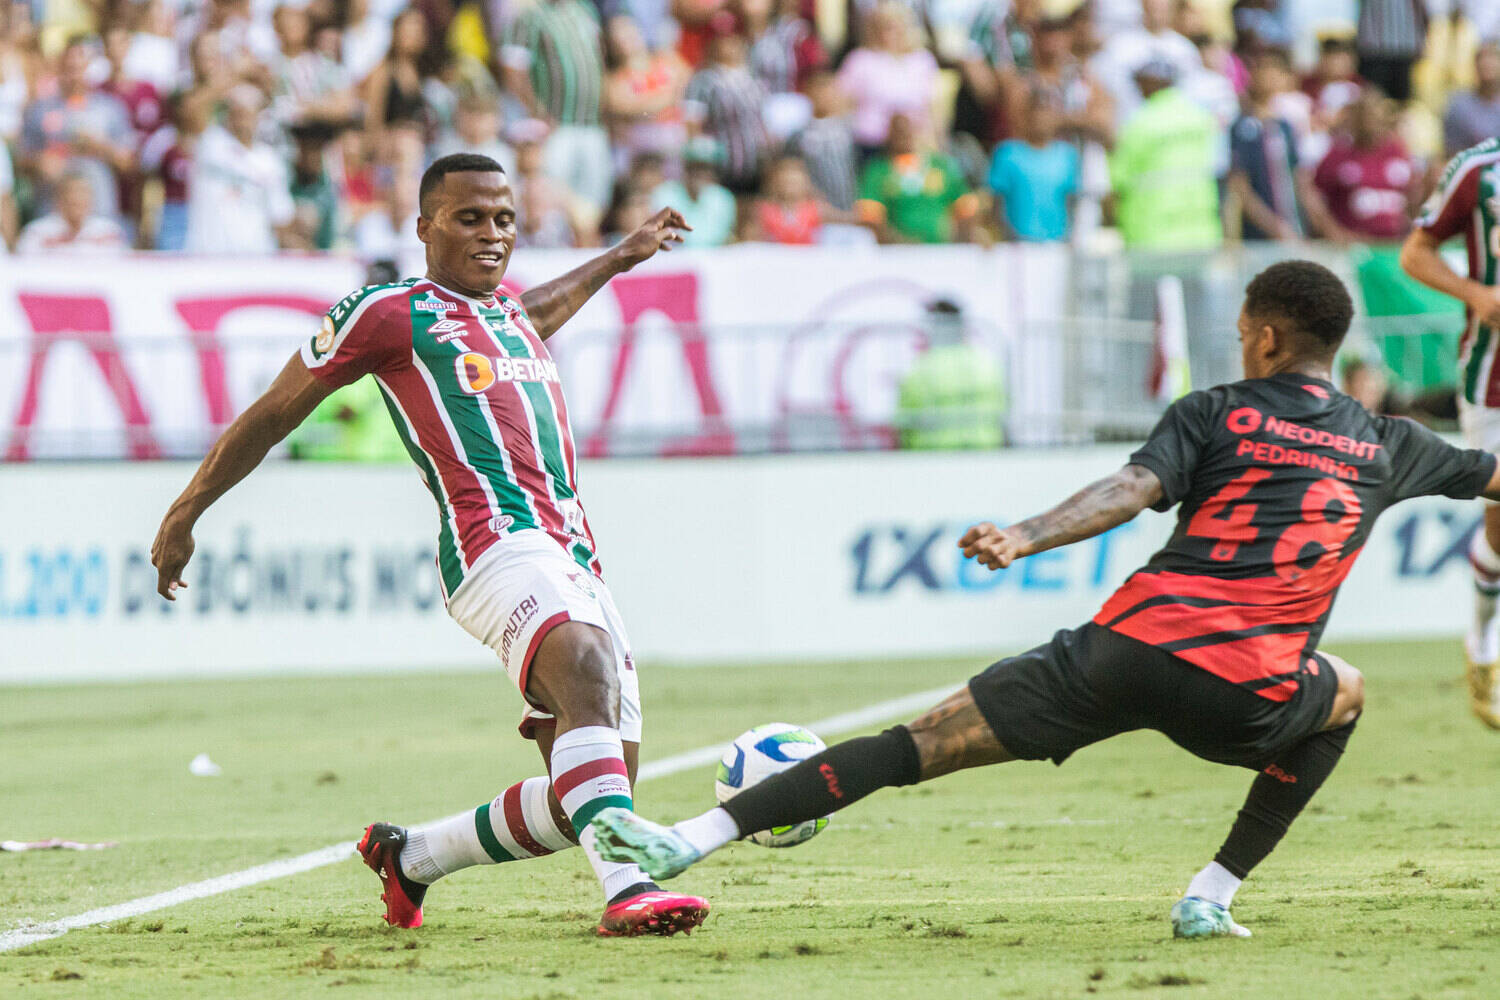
(476, 372)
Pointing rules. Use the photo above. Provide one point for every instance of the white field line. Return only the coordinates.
(32, 933)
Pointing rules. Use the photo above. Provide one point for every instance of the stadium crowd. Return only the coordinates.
(244, 126)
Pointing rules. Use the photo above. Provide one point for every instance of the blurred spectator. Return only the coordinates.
(1474, 115)
(239, 200)
(393, 90)
(994, 46)
(1209, 88)
(1266, 176)
(72, 226)
(9, 218)
(389, 232)
(15, 42)
(724, 101)
(784, 49)
(140, 97)
(1367, 179)
(478, 131)
(542, 203)
(309, 85)
(314, 198)
(366, 40)
(888, 74)
(914, 194)
(707, 206)
(1034, 178)
(242, 35)
(1154, 41)
(146, 115)
(1085, 109)
(826, 143)
(1334, 81)
(153, 54)
(167, 158)
(954, 395)
(553, 61)
(1162, 168)
(1389, 38)
(643, 93)
(630, 211)
(75, 129)
(789, 211)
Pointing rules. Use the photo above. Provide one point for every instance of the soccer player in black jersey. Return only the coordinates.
(1278, 480)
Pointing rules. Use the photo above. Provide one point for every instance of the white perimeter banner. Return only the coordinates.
(146, 353)
(804, 558)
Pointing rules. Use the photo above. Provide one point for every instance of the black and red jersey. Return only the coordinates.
(1280, 480)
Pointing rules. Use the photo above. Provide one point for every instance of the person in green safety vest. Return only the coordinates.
(1162, 169)
(351, 425)
(954, 395)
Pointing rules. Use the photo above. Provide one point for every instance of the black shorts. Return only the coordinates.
(1089, 684)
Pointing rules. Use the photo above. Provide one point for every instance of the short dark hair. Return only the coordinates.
(453, 163)
(1307, 296)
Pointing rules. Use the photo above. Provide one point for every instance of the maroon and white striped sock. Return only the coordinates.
(516, 825)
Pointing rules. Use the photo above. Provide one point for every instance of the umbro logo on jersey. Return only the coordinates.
(446, 330)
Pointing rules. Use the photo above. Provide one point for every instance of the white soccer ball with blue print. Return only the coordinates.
(754, 757)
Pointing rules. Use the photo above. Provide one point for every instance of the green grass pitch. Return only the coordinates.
(1017, 881)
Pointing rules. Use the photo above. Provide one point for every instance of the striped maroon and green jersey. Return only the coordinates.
(1467, 201)
(476, 399)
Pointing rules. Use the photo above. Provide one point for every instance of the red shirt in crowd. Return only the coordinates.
(1366, 189)
(797, 225)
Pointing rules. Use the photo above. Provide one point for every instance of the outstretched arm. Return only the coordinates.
(554, 303)
(1091, 511)
(273, 416)
(1422, 258)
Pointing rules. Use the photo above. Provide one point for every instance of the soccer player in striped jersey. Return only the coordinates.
(1467, 201)
(1279, 479)
(475, 398)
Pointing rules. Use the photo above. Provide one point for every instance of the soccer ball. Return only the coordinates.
(755, 756)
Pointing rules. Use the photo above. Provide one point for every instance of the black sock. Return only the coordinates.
(839, 776)
(1276, 797)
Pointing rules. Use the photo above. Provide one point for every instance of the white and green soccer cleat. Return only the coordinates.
(1193, 917)
(622, 836)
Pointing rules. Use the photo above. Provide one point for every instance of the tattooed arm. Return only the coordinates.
(553, 304)
(1091, 511)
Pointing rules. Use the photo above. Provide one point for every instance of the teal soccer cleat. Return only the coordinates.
(1193, 917)
(622, 836)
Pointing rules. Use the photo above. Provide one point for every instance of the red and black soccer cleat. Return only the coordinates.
(381, 849)
(653, 912)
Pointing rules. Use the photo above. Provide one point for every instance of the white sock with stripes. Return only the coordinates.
(517, 824)
(588, 774)
(1484, 638)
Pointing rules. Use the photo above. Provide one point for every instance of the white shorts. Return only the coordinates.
(521, 588)
(1480, 426)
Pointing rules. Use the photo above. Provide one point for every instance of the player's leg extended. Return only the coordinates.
(525, 821)
(1277, 796)
(1482, 644)
(575, 673)
(520, 823)
(950, 737)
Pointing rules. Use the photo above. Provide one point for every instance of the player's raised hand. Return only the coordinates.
(991, 546)
(170, 553)
(657, 233)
